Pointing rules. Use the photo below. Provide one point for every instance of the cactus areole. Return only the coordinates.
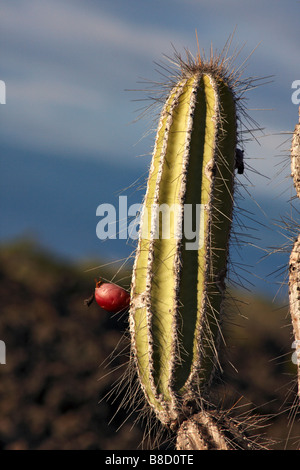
(177, 292)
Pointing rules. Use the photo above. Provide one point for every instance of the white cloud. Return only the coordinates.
(54, 23)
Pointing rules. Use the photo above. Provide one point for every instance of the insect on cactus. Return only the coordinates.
(177, 291)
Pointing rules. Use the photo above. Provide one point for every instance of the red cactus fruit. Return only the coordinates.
(111, 297)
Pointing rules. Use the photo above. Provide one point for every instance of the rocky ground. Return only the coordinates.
(54, 383)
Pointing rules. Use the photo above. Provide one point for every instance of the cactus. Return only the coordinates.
(177, 292)
(176, 298)
(294, 271)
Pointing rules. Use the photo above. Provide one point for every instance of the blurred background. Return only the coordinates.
(70, 140)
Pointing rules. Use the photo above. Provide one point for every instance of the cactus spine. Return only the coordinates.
(294, 266)
(177, 292)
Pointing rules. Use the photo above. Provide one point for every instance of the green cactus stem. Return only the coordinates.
(178, 286)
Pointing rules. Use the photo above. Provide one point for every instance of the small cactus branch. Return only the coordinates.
(200, 432)
(212, 430)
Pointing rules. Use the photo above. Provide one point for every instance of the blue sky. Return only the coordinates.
(67, 66)
(67, 63)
